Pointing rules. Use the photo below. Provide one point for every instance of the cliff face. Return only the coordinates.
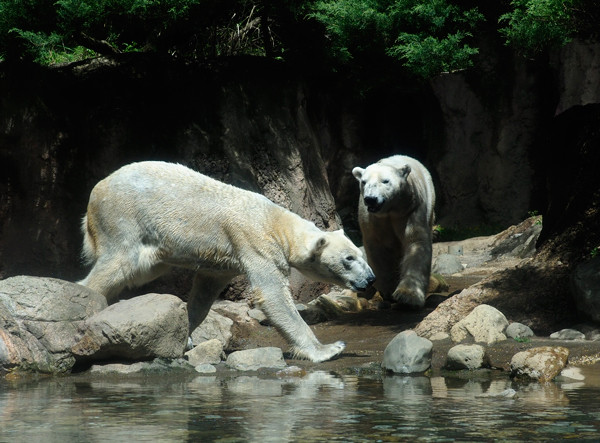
(259, 126)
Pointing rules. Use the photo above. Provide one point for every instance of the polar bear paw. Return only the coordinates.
(320, 352)
(414, 298)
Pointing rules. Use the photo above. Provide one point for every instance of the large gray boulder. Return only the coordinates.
(142, 328)
(407, 353)
(40, 320)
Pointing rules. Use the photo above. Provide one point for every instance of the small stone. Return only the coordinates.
(254, 359)
(568, 334)
(466, 357)
(208, 352)
(518, 330)
(258, 315)
(205, 368)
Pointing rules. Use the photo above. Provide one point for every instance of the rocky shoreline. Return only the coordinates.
(50, 326)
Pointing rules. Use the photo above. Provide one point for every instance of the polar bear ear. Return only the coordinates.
(317, 247)
(404, 171)
(358, 173)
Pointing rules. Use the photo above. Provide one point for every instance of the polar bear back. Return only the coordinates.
(175, 208)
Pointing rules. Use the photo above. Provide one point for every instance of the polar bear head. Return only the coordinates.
(332, 257)
(380, 185)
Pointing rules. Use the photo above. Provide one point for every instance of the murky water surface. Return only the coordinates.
(317, 407)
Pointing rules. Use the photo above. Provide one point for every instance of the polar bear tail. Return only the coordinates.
(89, 250)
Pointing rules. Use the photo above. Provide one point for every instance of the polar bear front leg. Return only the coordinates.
(414, 270)
(273, 296)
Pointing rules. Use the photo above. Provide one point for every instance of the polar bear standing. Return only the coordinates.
(148, 217)
(396, 214)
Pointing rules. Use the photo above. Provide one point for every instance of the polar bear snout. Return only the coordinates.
(363, 284)
(373, 203)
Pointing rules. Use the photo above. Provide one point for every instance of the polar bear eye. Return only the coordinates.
(349, 258)
(385, 181)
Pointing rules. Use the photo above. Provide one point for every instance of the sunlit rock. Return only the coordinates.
(144, 327)
(214, 326)
(466, 357)
(485, 324)
(254, 359)
(542, 363)
(210, 351)
(407, 353)
(41, 319)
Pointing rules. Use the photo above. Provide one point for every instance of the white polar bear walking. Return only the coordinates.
(150, 216)
(396, 214)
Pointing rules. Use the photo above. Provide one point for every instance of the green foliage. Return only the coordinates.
(353, 26)
(595, 251)
(428, 36)
(522, 339)
(533, 26)
(48, 31)
(435, 37)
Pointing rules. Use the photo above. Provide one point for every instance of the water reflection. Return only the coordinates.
(317, 407)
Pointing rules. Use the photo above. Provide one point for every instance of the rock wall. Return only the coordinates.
(264, 127)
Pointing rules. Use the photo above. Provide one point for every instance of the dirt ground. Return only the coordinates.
(367, 334)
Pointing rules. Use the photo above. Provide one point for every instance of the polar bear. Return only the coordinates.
(396, 214)
(148, 217)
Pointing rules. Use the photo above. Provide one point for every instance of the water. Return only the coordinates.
(317, 407)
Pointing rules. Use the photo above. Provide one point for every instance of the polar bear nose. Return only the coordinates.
(372, 203)
(370, 280)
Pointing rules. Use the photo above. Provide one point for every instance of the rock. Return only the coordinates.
(157, 365)
(518, 241)
(518, 330)
(205, 368)
(328, 305)
(311, 313)
(568, 334)
(40, 320)
(437, 283)
(214, 326)
(485, 324)
(119, 368)
(141, 328)
(236, 311)
(258, 315)
(337, 303)
(585, 283)
(572, 373)
(210, 351)
(439, 336)
(447, 264)
(466, 357)
(542, 363)
(254, 359)
(407, 353)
